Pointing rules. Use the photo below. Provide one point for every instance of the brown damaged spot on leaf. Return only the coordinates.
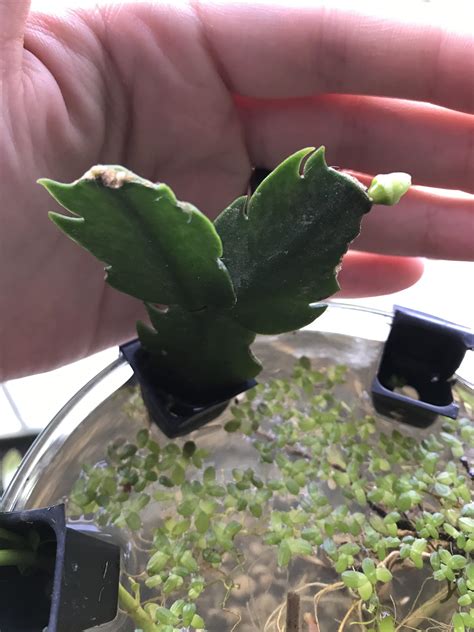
(112, 177)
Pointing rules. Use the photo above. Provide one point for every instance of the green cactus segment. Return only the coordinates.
(259, 269)
(389, 188)
(203, 351)
(283, 246)
(155, 248)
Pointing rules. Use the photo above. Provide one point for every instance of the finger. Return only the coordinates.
(373, 135)
(13, 14)
(366, 274)
(274, 49)
(426, 223)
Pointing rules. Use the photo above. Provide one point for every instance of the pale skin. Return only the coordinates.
(195, 94)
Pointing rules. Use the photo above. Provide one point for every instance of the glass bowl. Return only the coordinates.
(108, 410)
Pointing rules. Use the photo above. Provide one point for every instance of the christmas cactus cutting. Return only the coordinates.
(210, 288)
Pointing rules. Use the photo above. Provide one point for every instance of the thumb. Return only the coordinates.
(13, 14)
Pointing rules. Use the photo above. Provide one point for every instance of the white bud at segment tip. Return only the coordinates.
(388, 188)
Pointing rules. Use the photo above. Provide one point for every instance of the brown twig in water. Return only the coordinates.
(293, 612)
(311, 623)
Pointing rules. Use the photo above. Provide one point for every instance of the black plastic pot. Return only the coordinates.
(175, 414)
(76, 586)
(422, 352)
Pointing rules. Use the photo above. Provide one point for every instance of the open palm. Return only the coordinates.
(195, 95)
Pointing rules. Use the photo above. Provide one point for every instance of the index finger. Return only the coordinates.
(271, 49)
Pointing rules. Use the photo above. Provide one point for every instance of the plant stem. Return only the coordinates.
(135, 611)
(14, 557)
(324, 591)
(415, 617)
(348, 616)
(14, 538)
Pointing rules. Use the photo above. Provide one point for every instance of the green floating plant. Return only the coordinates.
(347, 505)
(212, 287)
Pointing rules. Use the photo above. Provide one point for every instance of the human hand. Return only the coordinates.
(195, 94)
